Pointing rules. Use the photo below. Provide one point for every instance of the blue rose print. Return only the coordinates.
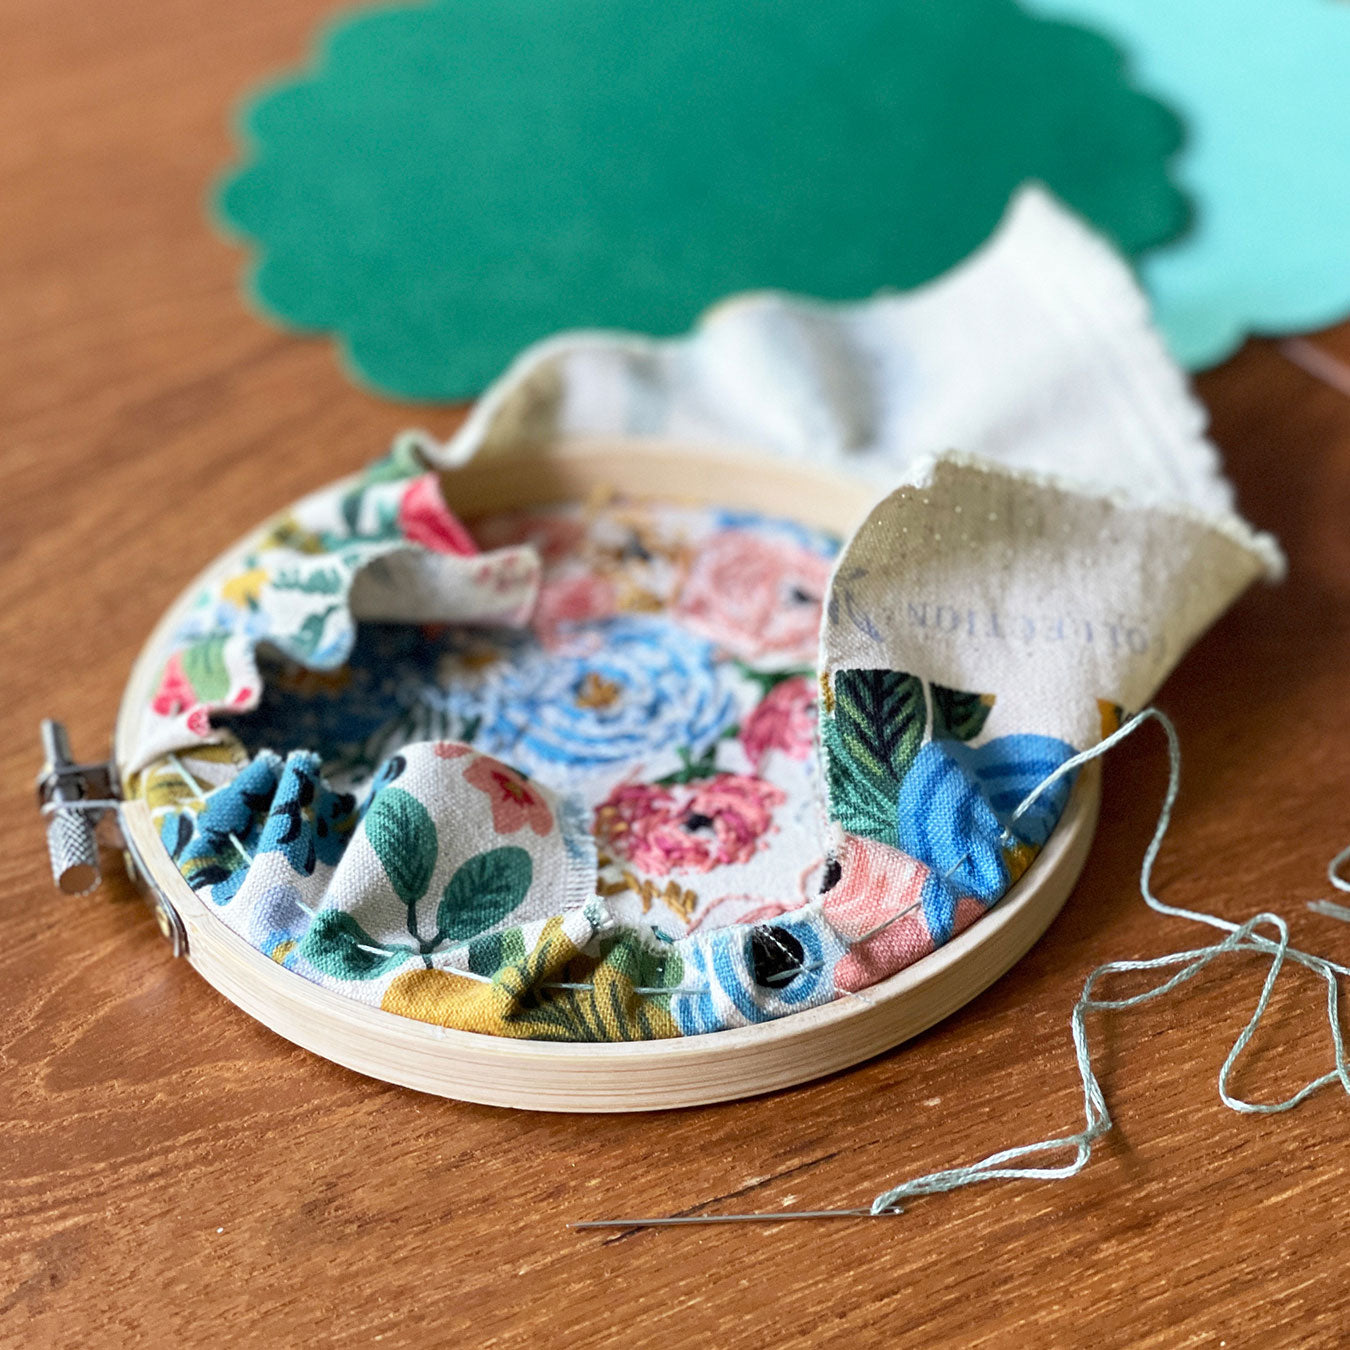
(628, 688)
(956, 803)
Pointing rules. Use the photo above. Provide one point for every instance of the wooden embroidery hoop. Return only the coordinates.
(631, 1075)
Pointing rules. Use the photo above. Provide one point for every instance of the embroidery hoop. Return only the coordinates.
(619, 1076)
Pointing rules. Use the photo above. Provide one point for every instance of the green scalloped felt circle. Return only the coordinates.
(449, 183)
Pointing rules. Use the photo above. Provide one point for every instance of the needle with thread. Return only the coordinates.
(737, 1218)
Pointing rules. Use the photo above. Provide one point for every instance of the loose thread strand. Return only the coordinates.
(187, 777)
(1334, 870)
(1330, 909)
(1001, 1166)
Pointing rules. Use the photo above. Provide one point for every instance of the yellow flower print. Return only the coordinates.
(244, 590)
(1017, 857)
(1111, 714)
(553, 993)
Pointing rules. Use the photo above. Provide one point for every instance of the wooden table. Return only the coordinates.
(173, 1174)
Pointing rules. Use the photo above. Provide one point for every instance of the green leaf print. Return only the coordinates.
(403, 835)
(204, 666)
(320, 581)
(350, 509)
(402, 461)
(487, 955)
(957, 715)
(483, 891)
(307, 640)
(340, 947)
(871, 739)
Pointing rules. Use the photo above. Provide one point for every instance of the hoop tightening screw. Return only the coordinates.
(74, 798)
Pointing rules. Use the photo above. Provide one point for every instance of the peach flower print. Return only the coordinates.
(175, 693)
(880, 885)
(755, 597)
(516, 802)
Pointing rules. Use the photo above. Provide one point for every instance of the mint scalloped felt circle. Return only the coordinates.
(1264, 89)
(449, 183)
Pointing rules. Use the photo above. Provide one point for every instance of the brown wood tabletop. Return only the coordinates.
(173, 1174)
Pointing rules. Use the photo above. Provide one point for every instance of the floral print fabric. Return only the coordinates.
(384, 546)
(691, 766)
(562, 779)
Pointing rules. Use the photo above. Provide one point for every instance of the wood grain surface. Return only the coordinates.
(173, 1174)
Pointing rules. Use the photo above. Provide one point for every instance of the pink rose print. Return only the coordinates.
(879, 885)
(755, 597)
(175, 693)
(516, 802)
(785, 720)
(198, 722)
(694, 827)
(451, 750)
(572, 600)
(424, 518)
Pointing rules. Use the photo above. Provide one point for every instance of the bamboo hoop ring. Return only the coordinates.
(629, 1075)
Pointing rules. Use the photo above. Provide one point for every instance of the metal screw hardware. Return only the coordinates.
(80, 803)
(62, 786)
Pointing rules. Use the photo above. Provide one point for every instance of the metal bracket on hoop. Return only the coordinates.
(80, 804)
